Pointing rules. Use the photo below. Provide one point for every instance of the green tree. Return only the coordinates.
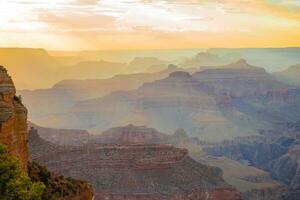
(13, 184)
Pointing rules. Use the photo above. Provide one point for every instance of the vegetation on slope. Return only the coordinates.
(13, 184)
(57, 187)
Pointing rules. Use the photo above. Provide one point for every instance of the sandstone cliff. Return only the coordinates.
(13, 117)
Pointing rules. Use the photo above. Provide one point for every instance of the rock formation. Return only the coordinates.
(139, 171)
(13, 118)
(132, 134)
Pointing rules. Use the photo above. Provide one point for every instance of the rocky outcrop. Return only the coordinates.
(13, 118)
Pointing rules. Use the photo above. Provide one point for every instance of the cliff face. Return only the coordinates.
(13, 118)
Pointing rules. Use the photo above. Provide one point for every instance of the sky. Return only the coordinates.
(149, 24)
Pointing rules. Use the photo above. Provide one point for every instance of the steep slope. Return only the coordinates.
(13, 116)
(59, 187)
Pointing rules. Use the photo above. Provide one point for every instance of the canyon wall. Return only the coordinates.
(135, 171)
(13, 118)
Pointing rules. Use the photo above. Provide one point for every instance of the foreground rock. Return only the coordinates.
(13, 117)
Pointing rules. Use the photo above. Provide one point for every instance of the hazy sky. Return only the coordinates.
(149, 24)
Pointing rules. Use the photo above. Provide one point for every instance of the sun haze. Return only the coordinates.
(149, 24)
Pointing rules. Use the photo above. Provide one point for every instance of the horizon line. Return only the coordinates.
(153, 49)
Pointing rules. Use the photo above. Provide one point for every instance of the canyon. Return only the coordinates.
(133, 168)
(278, 155)
(214, 104)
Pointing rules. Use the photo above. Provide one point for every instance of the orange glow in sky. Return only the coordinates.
(149, 24)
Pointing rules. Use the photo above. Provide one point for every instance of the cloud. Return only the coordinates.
(87, 2)
(150, 23)
(282, 8)
(78, 20)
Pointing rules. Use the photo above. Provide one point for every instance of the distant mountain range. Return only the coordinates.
(29, 66)
(66, 93)
(213, 104)
(290, 75)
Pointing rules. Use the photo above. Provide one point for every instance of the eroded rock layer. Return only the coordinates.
(13, 118)
(138, 171)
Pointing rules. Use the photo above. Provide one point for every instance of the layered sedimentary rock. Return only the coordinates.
(132, 134)
(134, 171)
(13, 117)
